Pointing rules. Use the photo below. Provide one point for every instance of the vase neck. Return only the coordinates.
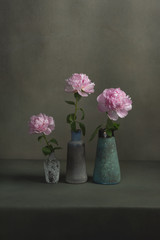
(76, 136)
(51, 156)
(102, 133)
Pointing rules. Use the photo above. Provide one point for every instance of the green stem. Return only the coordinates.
(75, 110)
(46, 140)
(106, 126)
(109, 123)
(107, 120)
(49, 145)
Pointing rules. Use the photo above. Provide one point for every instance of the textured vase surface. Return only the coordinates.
(52, 169)
(76, 164)
(107, 169)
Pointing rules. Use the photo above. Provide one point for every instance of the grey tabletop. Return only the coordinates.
(33, 209)
(22, 185)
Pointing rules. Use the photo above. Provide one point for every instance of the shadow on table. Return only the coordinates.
(22, 178)
(32, 178)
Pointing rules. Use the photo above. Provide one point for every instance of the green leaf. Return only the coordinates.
(110, 124)
(40, 137)
(70, 118)
(46, 150)
(73, 126)
(77, 96)
(56, 148)
(51, 147)
(95, 132)
(70, 102)
(82, 127)
(82, 113)
(53, 140)
(109, 133)
(116, 126)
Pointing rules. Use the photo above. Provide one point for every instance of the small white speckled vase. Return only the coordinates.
(52, 169)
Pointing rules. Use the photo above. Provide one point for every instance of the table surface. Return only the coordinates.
(22, 185)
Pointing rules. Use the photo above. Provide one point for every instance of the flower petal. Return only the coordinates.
(51, 121)
(122, 113)
(79, 83)
(69, 88)
(128, 107)
(83, 94)
(101, 99)
(41, 124)
(89, 88)
(102, 107)
(113, 115)
(47, 131)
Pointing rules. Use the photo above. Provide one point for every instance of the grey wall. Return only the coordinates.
(116, 43)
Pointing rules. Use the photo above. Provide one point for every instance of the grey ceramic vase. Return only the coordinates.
(52, 169)
(76, 164)
(107, 169)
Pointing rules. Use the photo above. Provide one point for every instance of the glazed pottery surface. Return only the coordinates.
(107, 169)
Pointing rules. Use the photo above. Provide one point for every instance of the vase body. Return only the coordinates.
(52, 169)
(107, 169)
(76, 164)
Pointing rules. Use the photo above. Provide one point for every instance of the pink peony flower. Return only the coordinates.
(80, 83)
(115, 102)
(41, 124)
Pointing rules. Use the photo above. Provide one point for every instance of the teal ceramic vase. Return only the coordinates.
(76, 164)
(107, 169)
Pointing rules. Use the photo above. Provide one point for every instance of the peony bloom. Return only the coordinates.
(115, 102)
(41, 124)
(80, 83)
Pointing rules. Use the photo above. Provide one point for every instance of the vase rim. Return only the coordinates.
(77, 131)
(51, 156)
(76, 135)
(102, 133)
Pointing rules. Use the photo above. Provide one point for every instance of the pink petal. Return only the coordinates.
(102, 107)
(101, 99)
(51, 121)
(69, 88)
(47, 131)
(122, 113)
(40, 115)
(82, 94)
(89, 88)
(128, 107)
(113, 115)
(52, 127)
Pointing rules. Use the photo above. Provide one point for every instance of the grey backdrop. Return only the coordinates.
(115, 42)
